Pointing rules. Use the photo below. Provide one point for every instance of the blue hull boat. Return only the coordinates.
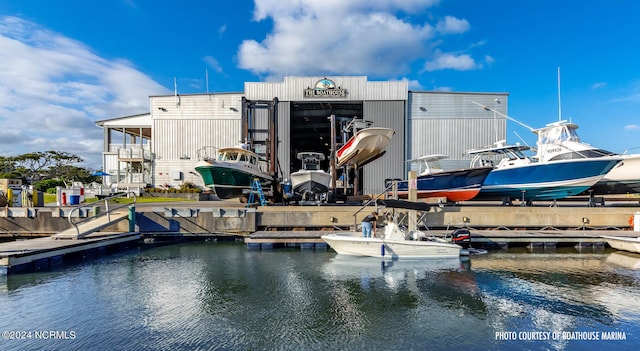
(454, 185)
(518, 177)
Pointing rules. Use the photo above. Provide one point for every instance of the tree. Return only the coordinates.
(8, 168)
(48, 164)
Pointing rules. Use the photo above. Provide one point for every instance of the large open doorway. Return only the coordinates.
(311, 128)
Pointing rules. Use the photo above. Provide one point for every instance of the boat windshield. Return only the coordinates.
(558, 135)
(428, 167)
(229, 156)
(311, 165)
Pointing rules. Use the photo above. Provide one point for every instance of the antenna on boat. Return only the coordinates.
(503, 115)
(523, 141)
(559, 105)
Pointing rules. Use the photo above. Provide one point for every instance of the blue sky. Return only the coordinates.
(65, 64)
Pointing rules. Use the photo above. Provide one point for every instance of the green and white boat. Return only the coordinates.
(232, 171)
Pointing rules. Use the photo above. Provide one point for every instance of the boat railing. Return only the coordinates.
(206, 152)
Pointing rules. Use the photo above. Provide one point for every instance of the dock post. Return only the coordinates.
(412, 196)
(132, 219)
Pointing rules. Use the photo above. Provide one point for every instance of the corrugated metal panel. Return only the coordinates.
(175, 138)
(358, 89)
(451, 124)
(184, 124)
(284, 139)
(200, 106)
(388, 114)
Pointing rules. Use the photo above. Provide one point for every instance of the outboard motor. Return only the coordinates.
(461, 237)
(287, 191)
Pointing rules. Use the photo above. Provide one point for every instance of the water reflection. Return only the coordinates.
(223, 296)
(421, 287)
(625, 259)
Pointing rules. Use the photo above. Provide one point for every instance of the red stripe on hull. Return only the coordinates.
(451, 195)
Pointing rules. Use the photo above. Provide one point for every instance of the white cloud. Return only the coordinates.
(451, 24)
(53, 89)
(368, 37)
(213, 63)
(451, 61)
(632, 127)
(222, 30)
(598, 85)
(489, 59)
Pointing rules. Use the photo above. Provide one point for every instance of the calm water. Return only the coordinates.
(221, 296)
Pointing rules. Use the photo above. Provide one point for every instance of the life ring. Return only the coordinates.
(631, 221)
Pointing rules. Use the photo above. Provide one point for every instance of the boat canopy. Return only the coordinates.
(311, 160)
(560, 140)
(509, 154)
(429, 163)
(558, 132)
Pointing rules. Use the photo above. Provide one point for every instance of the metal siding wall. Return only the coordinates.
(180, 138)
(284, 137)
(197, 120)
(451, 124)
(184, 124)
(358, 89)
(388, 114)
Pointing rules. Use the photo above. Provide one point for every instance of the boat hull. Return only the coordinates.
(622, 179)
(457, 185)
(230, 181)
(365, 146)
(624, 244)
(310, 182)
(546, 180)
(353, 245)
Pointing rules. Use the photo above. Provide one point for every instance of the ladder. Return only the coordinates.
(256, 188)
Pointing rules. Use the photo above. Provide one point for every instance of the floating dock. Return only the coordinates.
(39, 254)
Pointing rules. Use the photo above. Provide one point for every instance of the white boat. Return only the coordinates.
(560, 141)
(366, 144)
(394, 244)
(310, 181)
(623, 243)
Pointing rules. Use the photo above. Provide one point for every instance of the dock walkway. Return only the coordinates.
(44, 253)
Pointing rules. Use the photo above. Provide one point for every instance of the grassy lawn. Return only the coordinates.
(51, 198)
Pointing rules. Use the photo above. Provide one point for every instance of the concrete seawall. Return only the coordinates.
(219, 217)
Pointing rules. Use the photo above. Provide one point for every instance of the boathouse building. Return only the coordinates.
(279, 119)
